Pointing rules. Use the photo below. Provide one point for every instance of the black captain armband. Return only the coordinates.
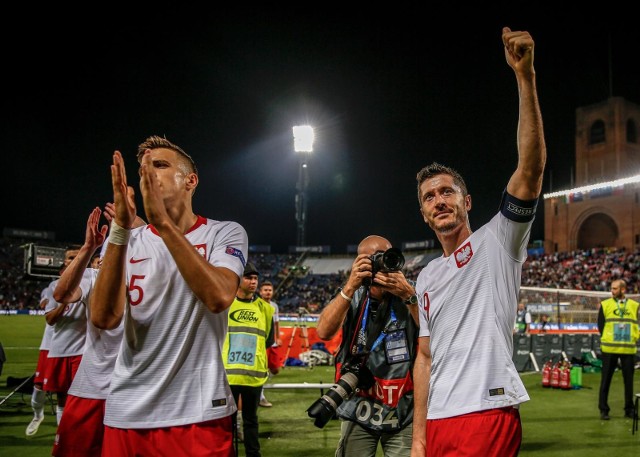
(517, 210)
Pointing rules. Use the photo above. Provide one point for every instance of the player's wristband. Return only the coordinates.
(343, 295)
(118, 235)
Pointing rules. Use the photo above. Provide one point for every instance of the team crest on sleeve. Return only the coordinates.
(463, 255)
(236, 253)
(202, 249)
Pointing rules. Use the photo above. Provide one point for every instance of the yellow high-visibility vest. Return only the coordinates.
(620, 332)
(245, 351)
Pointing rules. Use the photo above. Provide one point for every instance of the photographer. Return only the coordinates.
(377, 312)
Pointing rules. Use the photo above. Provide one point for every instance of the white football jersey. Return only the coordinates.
(101, 349)
(169, 370)
(69, 332)
(47, 293)
(468, 304)
(276, 313)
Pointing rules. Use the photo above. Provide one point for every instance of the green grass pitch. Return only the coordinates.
(555, 423)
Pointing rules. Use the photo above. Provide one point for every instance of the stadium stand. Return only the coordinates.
(310, 281)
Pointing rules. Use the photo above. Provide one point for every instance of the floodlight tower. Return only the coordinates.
(303, 144)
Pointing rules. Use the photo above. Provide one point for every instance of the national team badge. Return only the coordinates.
(202, 249)
(463, 255)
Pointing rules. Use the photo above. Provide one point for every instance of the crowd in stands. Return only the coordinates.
(588, 269)
(297, 287)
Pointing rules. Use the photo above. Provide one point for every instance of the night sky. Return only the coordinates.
(388, 91)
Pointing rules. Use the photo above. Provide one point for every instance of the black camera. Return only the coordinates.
(354, 376)
(389, 260)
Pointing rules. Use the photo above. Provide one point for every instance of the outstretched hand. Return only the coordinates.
(109, 214)
(154, 207)
(518, 50)
(95, 235)
(123, 195)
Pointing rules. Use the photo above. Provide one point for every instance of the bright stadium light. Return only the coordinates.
(303, 137)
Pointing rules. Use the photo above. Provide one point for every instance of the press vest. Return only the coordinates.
(620, 331)
(521, 321)
(388, 405)
(245, 352)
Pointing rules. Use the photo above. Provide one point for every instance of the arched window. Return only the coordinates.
(597, 134)
(632, 133)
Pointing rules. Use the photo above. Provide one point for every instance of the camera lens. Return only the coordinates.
(325, 407)
(392, 259)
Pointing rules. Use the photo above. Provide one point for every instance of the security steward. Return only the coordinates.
(618, 327)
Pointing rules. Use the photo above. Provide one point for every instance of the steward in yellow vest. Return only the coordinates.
(618, 326)
(244, 354)
(245, 348)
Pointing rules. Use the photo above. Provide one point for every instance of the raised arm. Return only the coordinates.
(68, 288)
(526, 181)
(334, 314)
(213, 285)
(107, 304)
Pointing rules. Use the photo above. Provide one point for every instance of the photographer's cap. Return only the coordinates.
(250, 269)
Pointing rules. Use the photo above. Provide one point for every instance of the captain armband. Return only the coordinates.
(517, 210)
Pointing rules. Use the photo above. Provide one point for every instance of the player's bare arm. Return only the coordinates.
(215, 286)
(107, 304)
(68, 287)
(335, 312)
(526, 182)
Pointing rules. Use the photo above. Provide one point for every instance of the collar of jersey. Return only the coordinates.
(199, 221)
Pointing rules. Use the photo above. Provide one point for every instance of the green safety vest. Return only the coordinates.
(244, 352)
(620, 331)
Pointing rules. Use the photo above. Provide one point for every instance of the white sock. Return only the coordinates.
(38, 398)
(262, 397)
(59, 410)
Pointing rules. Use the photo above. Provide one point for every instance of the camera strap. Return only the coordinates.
(366, 336)
(384, 330)
(353, 327)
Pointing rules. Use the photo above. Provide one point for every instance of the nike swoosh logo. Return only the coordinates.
(132, 260)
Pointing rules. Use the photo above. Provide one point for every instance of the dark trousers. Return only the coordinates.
(609, 364)
(250, 400)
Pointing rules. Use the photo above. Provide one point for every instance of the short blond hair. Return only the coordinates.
(157, 142)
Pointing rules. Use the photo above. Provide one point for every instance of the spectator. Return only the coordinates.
(545, 323)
